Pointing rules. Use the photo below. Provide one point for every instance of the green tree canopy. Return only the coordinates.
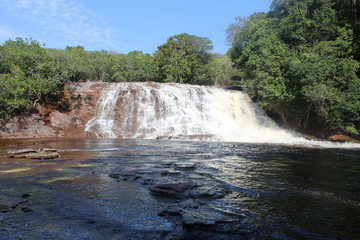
(181, 58)
(299, 61)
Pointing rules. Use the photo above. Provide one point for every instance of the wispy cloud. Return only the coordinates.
(66, 20)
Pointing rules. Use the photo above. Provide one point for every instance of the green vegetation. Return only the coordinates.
(31, 74)
(300, 61)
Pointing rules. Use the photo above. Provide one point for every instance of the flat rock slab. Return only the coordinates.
(43, 153)
(21, 152)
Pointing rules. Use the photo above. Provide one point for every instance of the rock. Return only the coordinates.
(185, 165)
(342, 138)
(189, 220)
(172, 210)
(214, 192)
(172, 190)
(11, 202)
(43, 153)
(26, 127)
(125, 175)
(170, 172)
(48, 150)
(21, 152)
(146, 181)
(26, 210)
(115, 175)
(25, 195)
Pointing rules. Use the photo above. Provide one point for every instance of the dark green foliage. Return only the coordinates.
(300, 61)
(182, 57)
(25, 76)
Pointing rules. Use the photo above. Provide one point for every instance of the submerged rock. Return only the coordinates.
(172, 190)
(11, 202)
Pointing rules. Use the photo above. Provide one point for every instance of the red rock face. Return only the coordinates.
(342, 138)
(67, 120)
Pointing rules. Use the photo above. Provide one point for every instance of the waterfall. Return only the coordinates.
(179, 111)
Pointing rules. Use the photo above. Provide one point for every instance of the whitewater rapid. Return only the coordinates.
(188, 112)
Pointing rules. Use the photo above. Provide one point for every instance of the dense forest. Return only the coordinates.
(299, 61)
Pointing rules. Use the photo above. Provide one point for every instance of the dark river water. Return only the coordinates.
(273, 191)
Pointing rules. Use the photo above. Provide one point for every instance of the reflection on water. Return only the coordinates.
(278, 192)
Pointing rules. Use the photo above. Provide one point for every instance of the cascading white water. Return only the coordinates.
(152, 110)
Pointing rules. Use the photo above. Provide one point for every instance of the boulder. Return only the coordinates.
(342, 138)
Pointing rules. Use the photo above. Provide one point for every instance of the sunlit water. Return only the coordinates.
(276, 191)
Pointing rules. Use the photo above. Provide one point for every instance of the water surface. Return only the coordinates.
(275, 191)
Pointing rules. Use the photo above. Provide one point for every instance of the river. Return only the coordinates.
(272, 191)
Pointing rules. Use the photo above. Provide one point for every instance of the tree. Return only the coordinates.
(25, 76)
(299, 61)
(220, 71)
(180, 59)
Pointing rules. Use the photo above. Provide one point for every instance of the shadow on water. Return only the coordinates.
(272, 191)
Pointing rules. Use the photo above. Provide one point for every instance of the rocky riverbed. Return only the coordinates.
(143, 189)
(190, 191)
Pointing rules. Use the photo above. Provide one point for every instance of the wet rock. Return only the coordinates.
(214, 192)
(115, 175)
(11, 202)
(27, 210)
(21, 152)
(124, 175)
(146, 181)
(172, 210)
(189, 220)
(170, 172)
(185, 165)
(172, 190)
(48, 150)
(343, 138)
(43, 153)
(25, 195)
(146, 171)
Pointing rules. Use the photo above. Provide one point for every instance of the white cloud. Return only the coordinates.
(66, 20)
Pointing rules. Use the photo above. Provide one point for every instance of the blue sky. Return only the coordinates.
(120, 25)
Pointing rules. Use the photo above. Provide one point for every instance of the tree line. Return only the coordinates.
(31, 73)
(300, 62)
